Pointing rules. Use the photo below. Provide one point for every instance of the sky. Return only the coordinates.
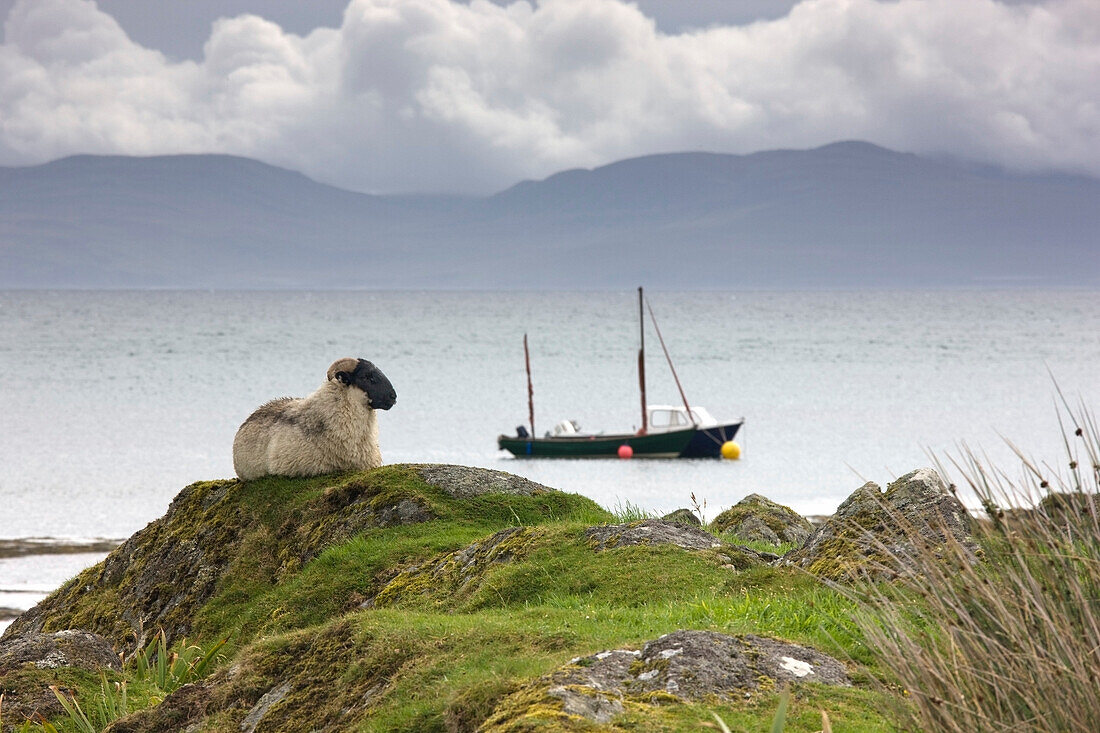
(400, 96)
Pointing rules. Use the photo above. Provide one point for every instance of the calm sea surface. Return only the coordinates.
(111, 402)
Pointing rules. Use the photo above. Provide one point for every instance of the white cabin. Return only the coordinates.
(663, 418)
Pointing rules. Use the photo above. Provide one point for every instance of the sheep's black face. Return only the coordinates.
(371, 380)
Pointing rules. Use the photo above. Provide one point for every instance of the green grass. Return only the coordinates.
(626, 511)
(451, 653)
(439, 667)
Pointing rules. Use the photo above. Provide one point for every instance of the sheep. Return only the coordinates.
(334, 429)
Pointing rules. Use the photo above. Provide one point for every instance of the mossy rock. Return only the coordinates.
(680, 667)
(319, 679)
(264, 532)
(683, 516)
(1069, 509)
(651, 532)
(69, 648)
(758, 519)
(876, 534)
(27, 692)
(456, 576)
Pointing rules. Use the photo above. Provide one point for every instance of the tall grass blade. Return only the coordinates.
(721, 723)
(199, 666)
(780, 719)
(72, 709)
(1011, 642)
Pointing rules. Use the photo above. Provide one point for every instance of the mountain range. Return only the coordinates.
(846, 215)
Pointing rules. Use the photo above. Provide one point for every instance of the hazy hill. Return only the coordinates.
(844, 215)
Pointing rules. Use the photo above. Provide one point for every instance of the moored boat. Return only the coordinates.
(668, 444)
(666, 432)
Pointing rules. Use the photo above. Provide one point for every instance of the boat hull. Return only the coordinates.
(653, 445)
(707, 442)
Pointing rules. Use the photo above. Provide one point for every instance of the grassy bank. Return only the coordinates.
(380, 601)
(430, 625)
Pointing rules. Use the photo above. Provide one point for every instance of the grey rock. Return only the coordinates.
(876, 534)
(69, 648)
(695, 664)
(759, 519)
(651, 532)
(403, 512)
(265, 703)
(463, 482)
(24, 699)
(753, 529)
(593, 706)
(690, 665)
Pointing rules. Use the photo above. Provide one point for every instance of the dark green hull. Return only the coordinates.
(653, 445)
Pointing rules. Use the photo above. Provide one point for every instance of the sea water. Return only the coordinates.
(111, 402)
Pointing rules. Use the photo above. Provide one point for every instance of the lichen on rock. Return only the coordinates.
(682, 666)
(463, 482)
(68, 648)
(875, 533)
(651, 532)
(456, 574)
(683, 516)
(759, 519)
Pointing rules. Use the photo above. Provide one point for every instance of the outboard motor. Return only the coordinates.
(521, 432)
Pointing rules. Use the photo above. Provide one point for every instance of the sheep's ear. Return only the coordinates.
(343, 377)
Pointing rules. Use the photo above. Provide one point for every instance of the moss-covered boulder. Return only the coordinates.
(683, 516)
(264, 530)
(69, 648)
(32, 663)
(874, 533)
(510, 565)
(456, 577)
(681, 666)
(651, 532)
(758, 519)
(1069, 510)
(465, 482)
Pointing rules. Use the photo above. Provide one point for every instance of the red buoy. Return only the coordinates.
(625, 451)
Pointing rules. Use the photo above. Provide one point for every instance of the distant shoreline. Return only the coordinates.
(28, 546)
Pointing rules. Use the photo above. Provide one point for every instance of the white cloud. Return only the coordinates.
(432, 94)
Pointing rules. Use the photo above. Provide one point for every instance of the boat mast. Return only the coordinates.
(669, 360)
(641, 361)
(530, 390)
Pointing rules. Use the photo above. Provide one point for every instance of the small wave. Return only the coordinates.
(27, 546)
(31, 590)
(15, 602)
